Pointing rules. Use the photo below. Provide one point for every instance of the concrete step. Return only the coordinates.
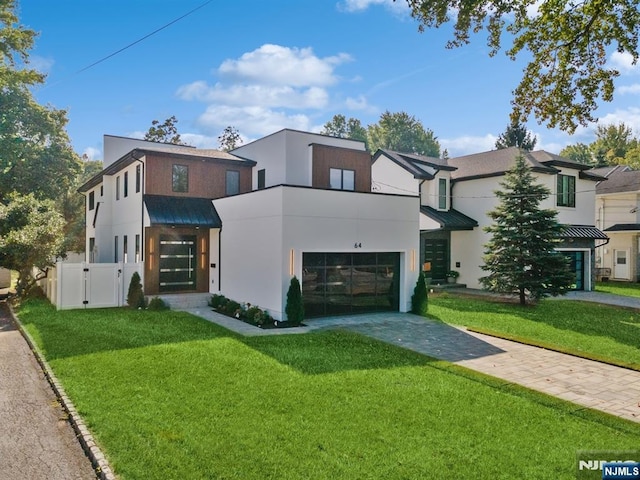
(182, 301)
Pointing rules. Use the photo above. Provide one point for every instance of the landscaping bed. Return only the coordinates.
(245, 312)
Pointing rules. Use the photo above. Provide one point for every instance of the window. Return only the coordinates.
(117, 188)
(125, 256)
(137, 257)
(341, 179)
(102, 190)
(92, 200)
(261, 179)
(180, 178)
(566, 191)
(92, 249)
(115, 249)
(138, 177)
(442, 194)
(233, 182)
(126, 184)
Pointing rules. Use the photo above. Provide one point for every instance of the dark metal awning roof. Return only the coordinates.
(623, 227)
(583, 231)
(182, 211)
(449, 219)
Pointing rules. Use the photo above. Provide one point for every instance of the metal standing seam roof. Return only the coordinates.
(583, 231)
(182, 211)
(450, 219)
(623, 227)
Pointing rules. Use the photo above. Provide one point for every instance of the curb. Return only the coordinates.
(91, 450)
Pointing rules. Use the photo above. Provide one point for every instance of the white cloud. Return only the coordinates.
(359, 103)
(277, 65)
(466, 145)
(630, 117)
(632, 89)
(623, 61)
(361, 5)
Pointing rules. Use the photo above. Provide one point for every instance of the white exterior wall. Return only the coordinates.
(126, 214)
(286, 156)
(430, 191)
(617, 208)
(388, 177)
(261, 229)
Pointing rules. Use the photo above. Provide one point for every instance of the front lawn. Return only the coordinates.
(171, 396)
(625, 289)
(596, 331)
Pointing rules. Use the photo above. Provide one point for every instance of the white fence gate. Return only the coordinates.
(89, 285)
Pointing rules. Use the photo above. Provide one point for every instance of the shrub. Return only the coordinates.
(420, 299)
(217, 300)
(231, 308)
(135, 296)
(295, 307)
(157, 304)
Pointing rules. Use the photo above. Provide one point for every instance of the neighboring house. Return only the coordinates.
(243, 223)
(617, 213)
(456, 194)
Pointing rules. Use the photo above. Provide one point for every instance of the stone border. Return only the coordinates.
(88, 444)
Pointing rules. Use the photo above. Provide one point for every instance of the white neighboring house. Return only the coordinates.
(617, 213)
(243, 223)
(456, 194)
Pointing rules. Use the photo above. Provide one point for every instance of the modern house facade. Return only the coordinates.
(244, 223)
(617, 213)
(456, 194)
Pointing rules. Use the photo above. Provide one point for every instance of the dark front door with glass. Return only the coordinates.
(436, 253)
(177, 263)
(577, 266)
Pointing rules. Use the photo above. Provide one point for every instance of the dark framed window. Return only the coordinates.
(117, 188)
(442, 194)
(126, 184)
(566, 191)
(137, 254)
(261, 179)
(92, 200)
(125, 249)
(102, 190)
(92, 249)
(115, 249)
(138, 177)
(180, 178)
(233, 182)
(342, 179)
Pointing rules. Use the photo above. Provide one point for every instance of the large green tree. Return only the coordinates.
(165, 132)
(516, 135)
(341, 127)
(520, 256)
(612, 144)
(565, 42)
(403, 133)
(580, 152)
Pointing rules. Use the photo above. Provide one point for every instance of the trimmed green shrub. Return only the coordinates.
(420, 299)
(232, 308)
(295, 307)
(135, 296)
(217, 300)
(158, 304)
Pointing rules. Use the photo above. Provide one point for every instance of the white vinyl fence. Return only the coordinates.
(89, 285)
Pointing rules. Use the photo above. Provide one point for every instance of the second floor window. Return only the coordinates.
(442, 194)
(342, 179)
(566, 191)
(117, 188)
(261, 179)
(180, 178)
(233, 182)
(138, 178)
(92, 200)
(126, 184)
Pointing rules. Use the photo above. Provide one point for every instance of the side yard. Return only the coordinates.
(168, 395)
(619, 288)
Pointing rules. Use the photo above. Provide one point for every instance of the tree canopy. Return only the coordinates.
(516, 135)
(229, 139)
(165, 132)
(566, 44)
(341, 127)
(615, 144)
(520, 256)
(403, 133)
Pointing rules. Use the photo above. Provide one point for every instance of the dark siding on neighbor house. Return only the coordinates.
(326, 157)
(206, 177)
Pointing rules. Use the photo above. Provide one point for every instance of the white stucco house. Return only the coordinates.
(456, 194)
(617, 213)
(244, 223)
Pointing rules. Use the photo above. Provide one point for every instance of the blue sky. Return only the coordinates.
(261, 66)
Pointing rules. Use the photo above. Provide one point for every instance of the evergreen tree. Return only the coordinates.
(521, 255)
(135, 296)
(294, 308)
(516, 135)
(419, 299)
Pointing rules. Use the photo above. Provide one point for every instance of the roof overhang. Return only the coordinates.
(449, 219)
(583, 231)
(624, 227)
(182, 211)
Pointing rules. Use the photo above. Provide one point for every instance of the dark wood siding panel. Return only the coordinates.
(326, 157)
(206, 177)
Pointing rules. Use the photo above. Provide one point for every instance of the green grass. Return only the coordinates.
(619, 288)
(171, 396)
(596, 331)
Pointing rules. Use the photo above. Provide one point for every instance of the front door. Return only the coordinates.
(621, 264)
(436, 256)
(177, 263)
(577, 266)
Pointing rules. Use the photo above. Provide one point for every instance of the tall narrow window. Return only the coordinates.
(233, 182)
(442, 194)
(342, 179)
(137, 257)
(261, 179)
(566, 191)
(126, 184)
(92, 249)
(92, 200)
(118, 188)
(138, 177)
(125, 249)
(115, 249)
(102, 190)
(180, 178)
